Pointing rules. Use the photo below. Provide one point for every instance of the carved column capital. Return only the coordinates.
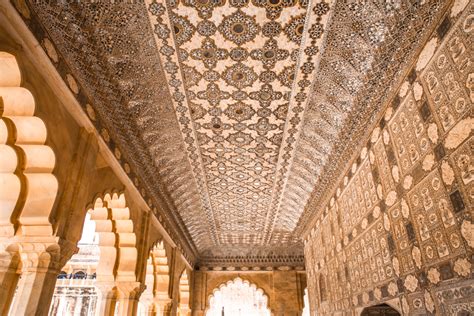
(129, 289)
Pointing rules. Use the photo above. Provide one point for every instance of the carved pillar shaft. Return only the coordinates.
(146, 301)
(168, 309)
(35, 291)
(8, 282)
(128, 306)
(162, 307)
(107, 299)
(129, 294)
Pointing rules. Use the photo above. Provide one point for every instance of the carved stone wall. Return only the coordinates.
(399, 226)
(284, 289)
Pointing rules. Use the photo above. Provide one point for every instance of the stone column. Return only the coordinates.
(129, 295)
(146, 299)
(36, 284)
(8, 281)
(170, 309)
(162, 306)
(79, 302)
(107, 298)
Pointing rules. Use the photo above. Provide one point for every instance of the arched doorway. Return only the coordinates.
(238, 298)
(380, 310)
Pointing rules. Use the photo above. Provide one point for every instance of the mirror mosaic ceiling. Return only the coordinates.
(235, 114)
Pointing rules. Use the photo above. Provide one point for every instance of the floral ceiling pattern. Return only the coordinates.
(230, 112)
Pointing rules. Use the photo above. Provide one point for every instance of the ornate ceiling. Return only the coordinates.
(230, 112)
(231, 67)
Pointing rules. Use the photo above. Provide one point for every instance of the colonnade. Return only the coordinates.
(41, 211)
(28, 246)
(155, 299)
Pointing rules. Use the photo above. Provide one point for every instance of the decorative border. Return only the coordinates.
(159, 12)
(315, 25)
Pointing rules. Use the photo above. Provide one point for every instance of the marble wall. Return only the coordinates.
(398, 228)
(284, 289)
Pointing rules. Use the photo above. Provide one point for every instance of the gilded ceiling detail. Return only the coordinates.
(362, 66)
(238, 70)
(232, 116)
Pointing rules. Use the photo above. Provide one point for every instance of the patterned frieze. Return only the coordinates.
(413, 247)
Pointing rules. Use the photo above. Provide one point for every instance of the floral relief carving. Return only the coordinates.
(462, 267)
(411, 283)
(421, 170)
(433, 275)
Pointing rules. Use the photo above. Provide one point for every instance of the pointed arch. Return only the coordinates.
(110, 247)
(183, 307)
(253, 301)
(380, 309)
(116, 269)
(78, 276)
(146, 306)
(162, 274)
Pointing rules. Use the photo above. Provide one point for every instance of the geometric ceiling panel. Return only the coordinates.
(239, 74)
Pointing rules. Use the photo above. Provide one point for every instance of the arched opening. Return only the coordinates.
(183, 307)
(380, 310)
(238, 298)
(107, 254)
(146, 304)
(155, 299)
(75, 292)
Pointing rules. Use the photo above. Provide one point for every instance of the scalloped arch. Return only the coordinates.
(265, 308)
(117, 240)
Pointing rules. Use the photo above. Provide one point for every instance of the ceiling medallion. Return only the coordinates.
(294, 29)
(239, 111)
(239, 76)
(239, 27)
(209, 53)
(183, 30)
(205, 8)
